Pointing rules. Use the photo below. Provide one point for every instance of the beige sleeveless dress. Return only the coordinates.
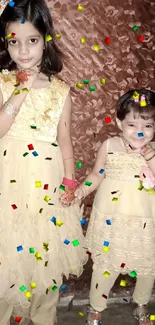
(39, 240)
(121, 231)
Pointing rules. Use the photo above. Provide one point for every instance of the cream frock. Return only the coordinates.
(121, 231)
(39, 240)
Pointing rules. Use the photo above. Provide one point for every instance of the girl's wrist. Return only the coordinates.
(72, 183)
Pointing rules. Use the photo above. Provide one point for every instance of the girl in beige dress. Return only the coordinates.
(121, 231)
(40, 236)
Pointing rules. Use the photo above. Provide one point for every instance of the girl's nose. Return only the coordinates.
(23, 50)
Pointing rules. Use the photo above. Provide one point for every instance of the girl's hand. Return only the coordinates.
(26, 78)
(67, 196)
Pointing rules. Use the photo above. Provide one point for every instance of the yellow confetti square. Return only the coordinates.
(80, 314)
(96, 47)
(38, 184)
(48, 38)
(102, 81)
(83, 40)
(59, 223)
(106, 249)
(80, 8)
(33, 285)
(123, 283)
(47, 198)
(58, 36)
(152, 317)
(28, 294)
(106, 274)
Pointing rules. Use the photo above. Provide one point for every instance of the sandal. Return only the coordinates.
(142, 315)
(94, 317)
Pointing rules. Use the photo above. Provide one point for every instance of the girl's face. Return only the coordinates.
(137, 131)
(26, 47)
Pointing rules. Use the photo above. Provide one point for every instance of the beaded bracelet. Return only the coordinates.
(10, 109)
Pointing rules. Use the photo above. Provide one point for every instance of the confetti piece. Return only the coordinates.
(45, 245)
(104, 296)
(152, 317)
(75, 243)
(38, 184)
(106, 243)
(11, 3)
(88, 183)
(83, 222)
(33, 285)
(12, 181)
(92, 88)
(4, 153)
(30, 146)
(14, 206)
(140, 39)
(22, 21)
(107, 120)
(41, 210)
(24, 90)
(107, 40)
(101, 171)
(123, 265)
(135, 27)
(38, 256)
(143, 103)
(62, 187)
(54, 144)
(123, 283)
(17, 319)
(9, 36)
(53, 219)
(66, 241)
(35, 153)
(140, 188)
(86, 82)
(19, 248)
(108, 221)
(47, 198)
(16, 92)
(140, 134)
(80, 314)
(48, 38)
(46, 264)
(64, 287)
(144, 225)
(96, 47)
(79, 164)
(106, 274)
(58, 36)
(28, 294)
(33, 127)
(22, 288)
(31, 250)
(115, 199)
(54, 288)
(78, 85)
(106, 249)
(59, 223)
(83, 40)
(46, 187)
(136, 176)
(133, 274)
(80, 8)
(48, 158)
(102, 81)
(25, 154)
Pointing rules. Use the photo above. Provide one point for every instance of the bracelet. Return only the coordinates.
(73, 183)
(68, 158)
(10, 109)
(150, 158)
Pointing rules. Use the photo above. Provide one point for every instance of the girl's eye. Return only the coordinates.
(148, 126)
(34, 40)
(131, 125)
(12, 42)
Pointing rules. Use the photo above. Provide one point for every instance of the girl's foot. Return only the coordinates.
(94, 317)
(142, 314)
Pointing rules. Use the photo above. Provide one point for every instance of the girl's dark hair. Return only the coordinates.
(37, 12)
(128, 103)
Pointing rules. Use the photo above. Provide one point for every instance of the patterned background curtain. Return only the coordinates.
(109, 48)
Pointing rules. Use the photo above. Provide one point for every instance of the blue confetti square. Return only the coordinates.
(140, 135)
(64, 287)
(66, 241)
(11, 3)
(53, 219)
(35, 153)
(22, 21)
(108, 221)
(19, 248)
(83, 222)
(106, 243)
(101, 171)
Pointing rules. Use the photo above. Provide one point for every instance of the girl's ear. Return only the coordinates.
(119, 123)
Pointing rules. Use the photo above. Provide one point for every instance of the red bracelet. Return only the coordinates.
(73, 183)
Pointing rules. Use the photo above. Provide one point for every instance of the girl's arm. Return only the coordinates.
(64, 139)
(149, 154)
(93, 180)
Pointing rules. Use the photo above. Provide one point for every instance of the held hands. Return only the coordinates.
(67, 196)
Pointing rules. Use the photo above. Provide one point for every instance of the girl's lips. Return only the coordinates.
(24, 60)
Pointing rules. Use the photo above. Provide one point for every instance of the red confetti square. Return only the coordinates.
(14, 206)
(17, 319)
(123, 265)
(104, 296)
(13, 34)
(107, 40)
(107, 120)
(140, 39)
(30, 146)
(46, 187)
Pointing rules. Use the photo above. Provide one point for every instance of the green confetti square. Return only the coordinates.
(22, 288)
(75, 242)
(54, 144)
(88, 183)
(32, 250)
(92, 88)
(54, 288)
(135, 27)
(25, 154)
(115, 199)
(33, 127)
(136, 176)
(86, 82)
(62, 187)
(79, 164)
(133, 274)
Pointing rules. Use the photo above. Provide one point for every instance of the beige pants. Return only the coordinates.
(41, 312)
(101, 285)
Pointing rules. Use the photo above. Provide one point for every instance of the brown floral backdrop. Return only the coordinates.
(110, 48)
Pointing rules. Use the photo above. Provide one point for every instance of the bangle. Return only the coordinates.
(68, 158)
(150, 158)
(73, 183)
(10, 109)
